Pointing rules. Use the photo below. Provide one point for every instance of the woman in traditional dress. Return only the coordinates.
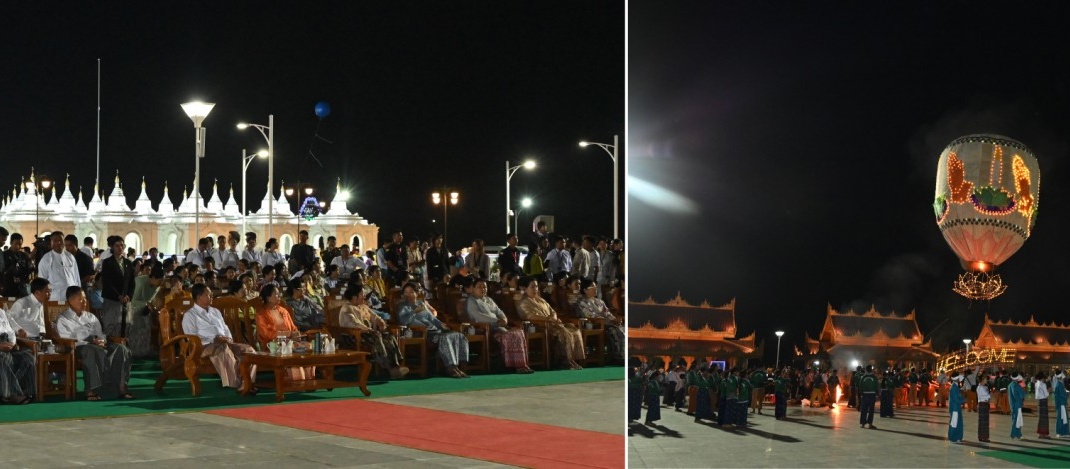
(1016, 396)
(480, 309)
(374, 334)
(138, 336)
(569, 339)
(984, 396)
(703, 383)
(306, 314)
(1040, 387)
(273, 320)
(635, 395)
(651, 396)
(1062, 425)
(591, 307)
(955, 401)
(452, 345)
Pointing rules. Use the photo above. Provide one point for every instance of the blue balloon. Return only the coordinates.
(323, 109)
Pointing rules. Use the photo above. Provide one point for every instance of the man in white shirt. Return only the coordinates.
(105, 365)
(29, 311)
(558, 259)
(197, 256)
(346, 263)
(581, 262)
(18, 370)
(59, 268)
(87, 247)
(206, 322)
(250, 254)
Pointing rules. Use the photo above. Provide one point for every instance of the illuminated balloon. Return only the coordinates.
(323, 109)
(987, 195)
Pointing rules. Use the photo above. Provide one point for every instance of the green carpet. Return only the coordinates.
(176, 396)
(1057, 456)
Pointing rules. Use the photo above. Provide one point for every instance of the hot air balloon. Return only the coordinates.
(987, 194)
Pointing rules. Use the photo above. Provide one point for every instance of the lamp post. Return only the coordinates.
(197, 111)
(525, 203)
(967, 342)
(308, 192)
(37, 185)
(779, 334)
(440, 198)
(612, 150)
(509, 172)
(268, 132)
(245, 162)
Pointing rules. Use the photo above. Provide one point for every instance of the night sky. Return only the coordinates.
(785, 153)
(424, 94)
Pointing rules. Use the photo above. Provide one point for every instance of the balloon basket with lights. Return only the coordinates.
(980, 285)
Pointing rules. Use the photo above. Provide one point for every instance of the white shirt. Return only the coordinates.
(272, 258)
(70, 325)
(61, 271)
(8, 326)
(483, 310)
(216, 255)
(88, 251)
(196, 257)
(29, 314)
(347, 265)
(229, 258)
(982, 393)
(206, 324)
(1041, 390)
(251, 255)
(581, 263)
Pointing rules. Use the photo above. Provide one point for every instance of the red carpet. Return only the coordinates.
(488, 439)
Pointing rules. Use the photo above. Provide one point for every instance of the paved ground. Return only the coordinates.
(203, 440)
(825, 438)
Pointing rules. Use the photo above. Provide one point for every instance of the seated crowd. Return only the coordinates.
(113, 296)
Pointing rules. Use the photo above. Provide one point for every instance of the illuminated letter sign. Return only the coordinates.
(960, 360)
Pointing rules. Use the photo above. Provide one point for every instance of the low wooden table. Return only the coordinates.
(325, 362)
(45, 363)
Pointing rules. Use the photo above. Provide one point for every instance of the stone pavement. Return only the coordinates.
(820, 437)
(204, 440)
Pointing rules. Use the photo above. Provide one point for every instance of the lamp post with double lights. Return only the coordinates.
(612, 150)
(197, 111)
(525, 203)
(509, 172)
(268, 132)
(300, 205)
(245, 162)
(37, 185)
(440, 198)
(779, 334)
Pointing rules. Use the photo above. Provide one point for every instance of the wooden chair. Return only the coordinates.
(180, 353)
(538, 341)
(594, 339)
(53, 309)
(478, 342)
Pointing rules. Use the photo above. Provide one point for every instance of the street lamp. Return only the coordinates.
(509, 172)
(245, 162)
(612, 150)
(197, 111)
(967, 342)
(439, 198)
(300, 205)
(37, 185)
(268, 132)
(516, 220)
(779, 334)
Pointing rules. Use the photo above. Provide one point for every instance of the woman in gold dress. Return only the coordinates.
(569, 340)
